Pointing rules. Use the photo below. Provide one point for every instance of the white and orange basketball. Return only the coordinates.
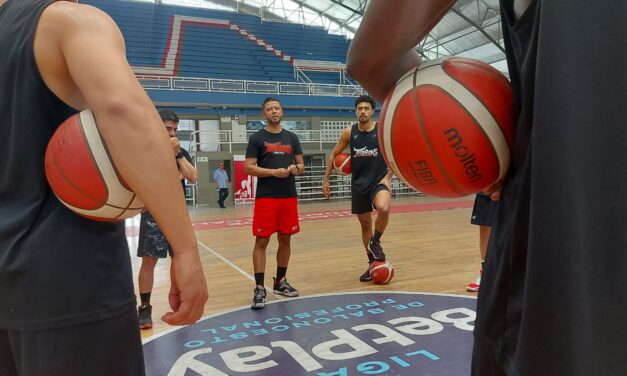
(381, 272)
(447, 127)
(342, 164)
(82, 174)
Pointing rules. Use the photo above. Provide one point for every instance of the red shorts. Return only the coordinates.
(275, 214)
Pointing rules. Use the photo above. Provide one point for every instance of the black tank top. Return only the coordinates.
(553, 298)
(367, 162)
(56, 268)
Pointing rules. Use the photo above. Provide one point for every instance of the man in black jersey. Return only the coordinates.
(152, 244)
(555, 298)
(275, 156)
(67, 304)
(370, 180)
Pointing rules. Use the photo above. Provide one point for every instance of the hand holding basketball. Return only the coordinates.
(342, 164)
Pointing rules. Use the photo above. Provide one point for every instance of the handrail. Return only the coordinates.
(223, 85)
(225, 139)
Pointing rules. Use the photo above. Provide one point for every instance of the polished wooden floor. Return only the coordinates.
(432, 251)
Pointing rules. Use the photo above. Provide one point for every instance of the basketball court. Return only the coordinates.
(429, 241)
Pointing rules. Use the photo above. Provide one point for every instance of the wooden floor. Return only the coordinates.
(432, 251)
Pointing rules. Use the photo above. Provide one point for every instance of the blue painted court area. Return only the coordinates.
(326, 335)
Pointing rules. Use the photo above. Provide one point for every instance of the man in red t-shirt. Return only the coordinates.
(275, 156)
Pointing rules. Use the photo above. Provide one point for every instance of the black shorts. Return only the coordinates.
(363, 202)
(483, 211)
(101, 348)
(152, 242)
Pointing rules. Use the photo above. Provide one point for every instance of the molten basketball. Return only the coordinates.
(447, 127)
(82, 175)
(381, 272)
(342, 164)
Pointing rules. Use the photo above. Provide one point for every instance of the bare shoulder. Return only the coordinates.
(65, 16)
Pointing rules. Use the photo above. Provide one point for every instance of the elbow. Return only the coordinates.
(359, 65)
(356, 69)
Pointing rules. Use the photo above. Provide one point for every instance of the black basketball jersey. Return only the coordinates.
(274, 150)
(553, 297)
(56, 268)
(367, 162)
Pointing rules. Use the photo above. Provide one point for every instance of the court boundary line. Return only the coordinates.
(237, 268)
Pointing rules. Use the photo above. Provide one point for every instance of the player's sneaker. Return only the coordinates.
(144, 315)
(366, 276)
(375, 249)
(282, 287)
(259, 298)
(474, 286)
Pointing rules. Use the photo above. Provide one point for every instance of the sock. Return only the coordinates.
(145, 297)
(370, 258)
(280, 273)
(377, 236)
(259, 278)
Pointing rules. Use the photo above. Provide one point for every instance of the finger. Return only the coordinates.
(187, 314)
(175, 301)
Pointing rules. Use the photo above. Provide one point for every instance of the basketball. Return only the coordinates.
(381, 272)
(82, 175)
(447, 127)
(342, 164)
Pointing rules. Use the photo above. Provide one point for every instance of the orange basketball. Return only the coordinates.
(82, 175)
(447, 127)
(381, 272)
(342, 164)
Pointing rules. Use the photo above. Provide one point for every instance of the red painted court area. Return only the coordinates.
(322, 215)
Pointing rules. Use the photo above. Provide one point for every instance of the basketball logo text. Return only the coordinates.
(465, 156)
(423, 172)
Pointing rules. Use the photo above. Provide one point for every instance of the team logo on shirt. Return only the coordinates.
(365, 152)
(277, 148)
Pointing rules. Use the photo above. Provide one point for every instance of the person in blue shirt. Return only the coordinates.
(222, 180)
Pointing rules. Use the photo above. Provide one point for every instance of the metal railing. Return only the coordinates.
(220, 85)
(309, 186)
(223, 140)
(301, 66)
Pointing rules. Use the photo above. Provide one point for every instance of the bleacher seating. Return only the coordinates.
(221, 52)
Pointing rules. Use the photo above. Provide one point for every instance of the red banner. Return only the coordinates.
(244, 186)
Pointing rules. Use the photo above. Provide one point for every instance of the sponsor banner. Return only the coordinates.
(244, 186)
(364, 333)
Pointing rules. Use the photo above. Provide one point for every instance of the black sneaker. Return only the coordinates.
(144, 314)
(259, 298)
(375, 249)
(366, 276)
(282, 287)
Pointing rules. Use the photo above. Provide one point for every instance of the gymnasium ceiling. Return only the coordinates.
(470, 29)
